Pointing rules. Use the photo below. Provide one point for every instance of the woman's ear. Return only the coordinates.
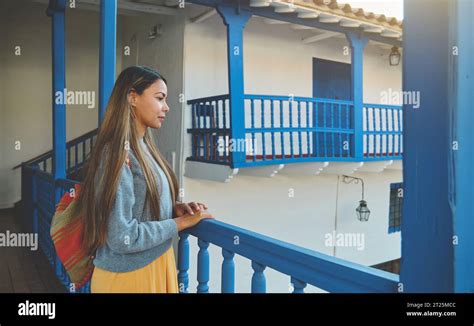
(132, 97)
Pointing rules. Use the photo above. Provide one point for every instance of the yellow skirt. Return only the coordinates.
(159, 276)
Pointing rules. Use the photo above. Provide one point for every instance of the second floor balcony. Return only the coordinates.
(281, 130)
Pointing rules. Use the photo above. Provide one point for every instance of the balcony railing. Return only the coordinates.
(282, 129)
(383, 132)
(302, 266)
(210, 126)
(77, 151)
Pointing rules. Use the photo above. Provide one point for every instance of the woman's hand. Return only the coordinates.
(189, 208)
(187, 221)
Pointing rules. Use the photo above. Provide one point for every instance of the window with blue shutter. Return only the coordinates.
(395, 210)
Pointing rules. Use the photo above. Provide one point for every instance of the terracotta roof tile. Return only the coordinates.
(345, 10)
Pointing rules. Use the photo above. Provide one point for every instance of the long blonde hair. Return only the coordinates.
(118, 129)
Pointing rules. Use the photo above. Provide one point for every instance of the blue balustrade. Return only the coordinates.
(303, 266)
(81, 147)
(302, 127)
(307, 130)
(77, 152)
(383, 132)
(210, 129)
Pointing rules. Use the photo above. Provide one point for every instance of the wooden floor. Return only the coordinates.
(23, 270)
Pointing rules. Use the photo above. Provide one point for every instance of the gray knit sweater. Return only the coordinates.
(134, 240)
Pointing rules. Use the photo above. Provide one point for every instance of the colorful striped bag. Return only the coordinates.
(66, 233)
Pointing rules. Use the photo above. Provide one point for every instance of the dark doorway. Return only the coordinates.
(331, 79)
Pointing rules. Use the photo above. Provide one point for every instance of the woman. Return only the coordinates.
(129, 196)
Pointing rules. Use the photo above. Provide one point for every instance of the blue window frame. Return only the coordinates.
(395, 209)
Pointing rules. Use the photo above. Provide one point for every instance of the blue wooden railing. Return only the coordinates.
(383, 132)
(77, 151)
(303, 266)
(210, 128)
(282, 130)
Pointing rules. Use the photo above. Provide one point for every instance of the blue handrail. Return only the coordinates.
(296, 99)
(302, 265)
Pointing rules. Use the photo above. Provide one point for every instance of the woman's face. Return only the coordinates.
(150, 106)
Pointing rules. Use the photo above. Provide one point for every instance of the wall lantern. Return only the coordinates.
(362, 211)
(394, 56)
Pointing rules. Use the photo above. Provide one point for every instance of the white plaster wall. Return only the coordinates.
(276, 62)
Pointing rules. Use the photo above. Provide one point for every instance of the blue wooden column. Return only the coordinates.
(56, 10)
(461, 162)
(427, 225)
(358, 43)
(235, 20)
(108, 43)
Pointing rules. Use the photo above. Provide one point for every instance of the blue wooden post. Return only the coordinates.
(259, 284)
(461, 165)
(203, 267)
(56, 10)
(298, 286)
(108, 43)
(228, 272)
(235, 20)
(427, 226)
(358, 43)
(183, 262)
